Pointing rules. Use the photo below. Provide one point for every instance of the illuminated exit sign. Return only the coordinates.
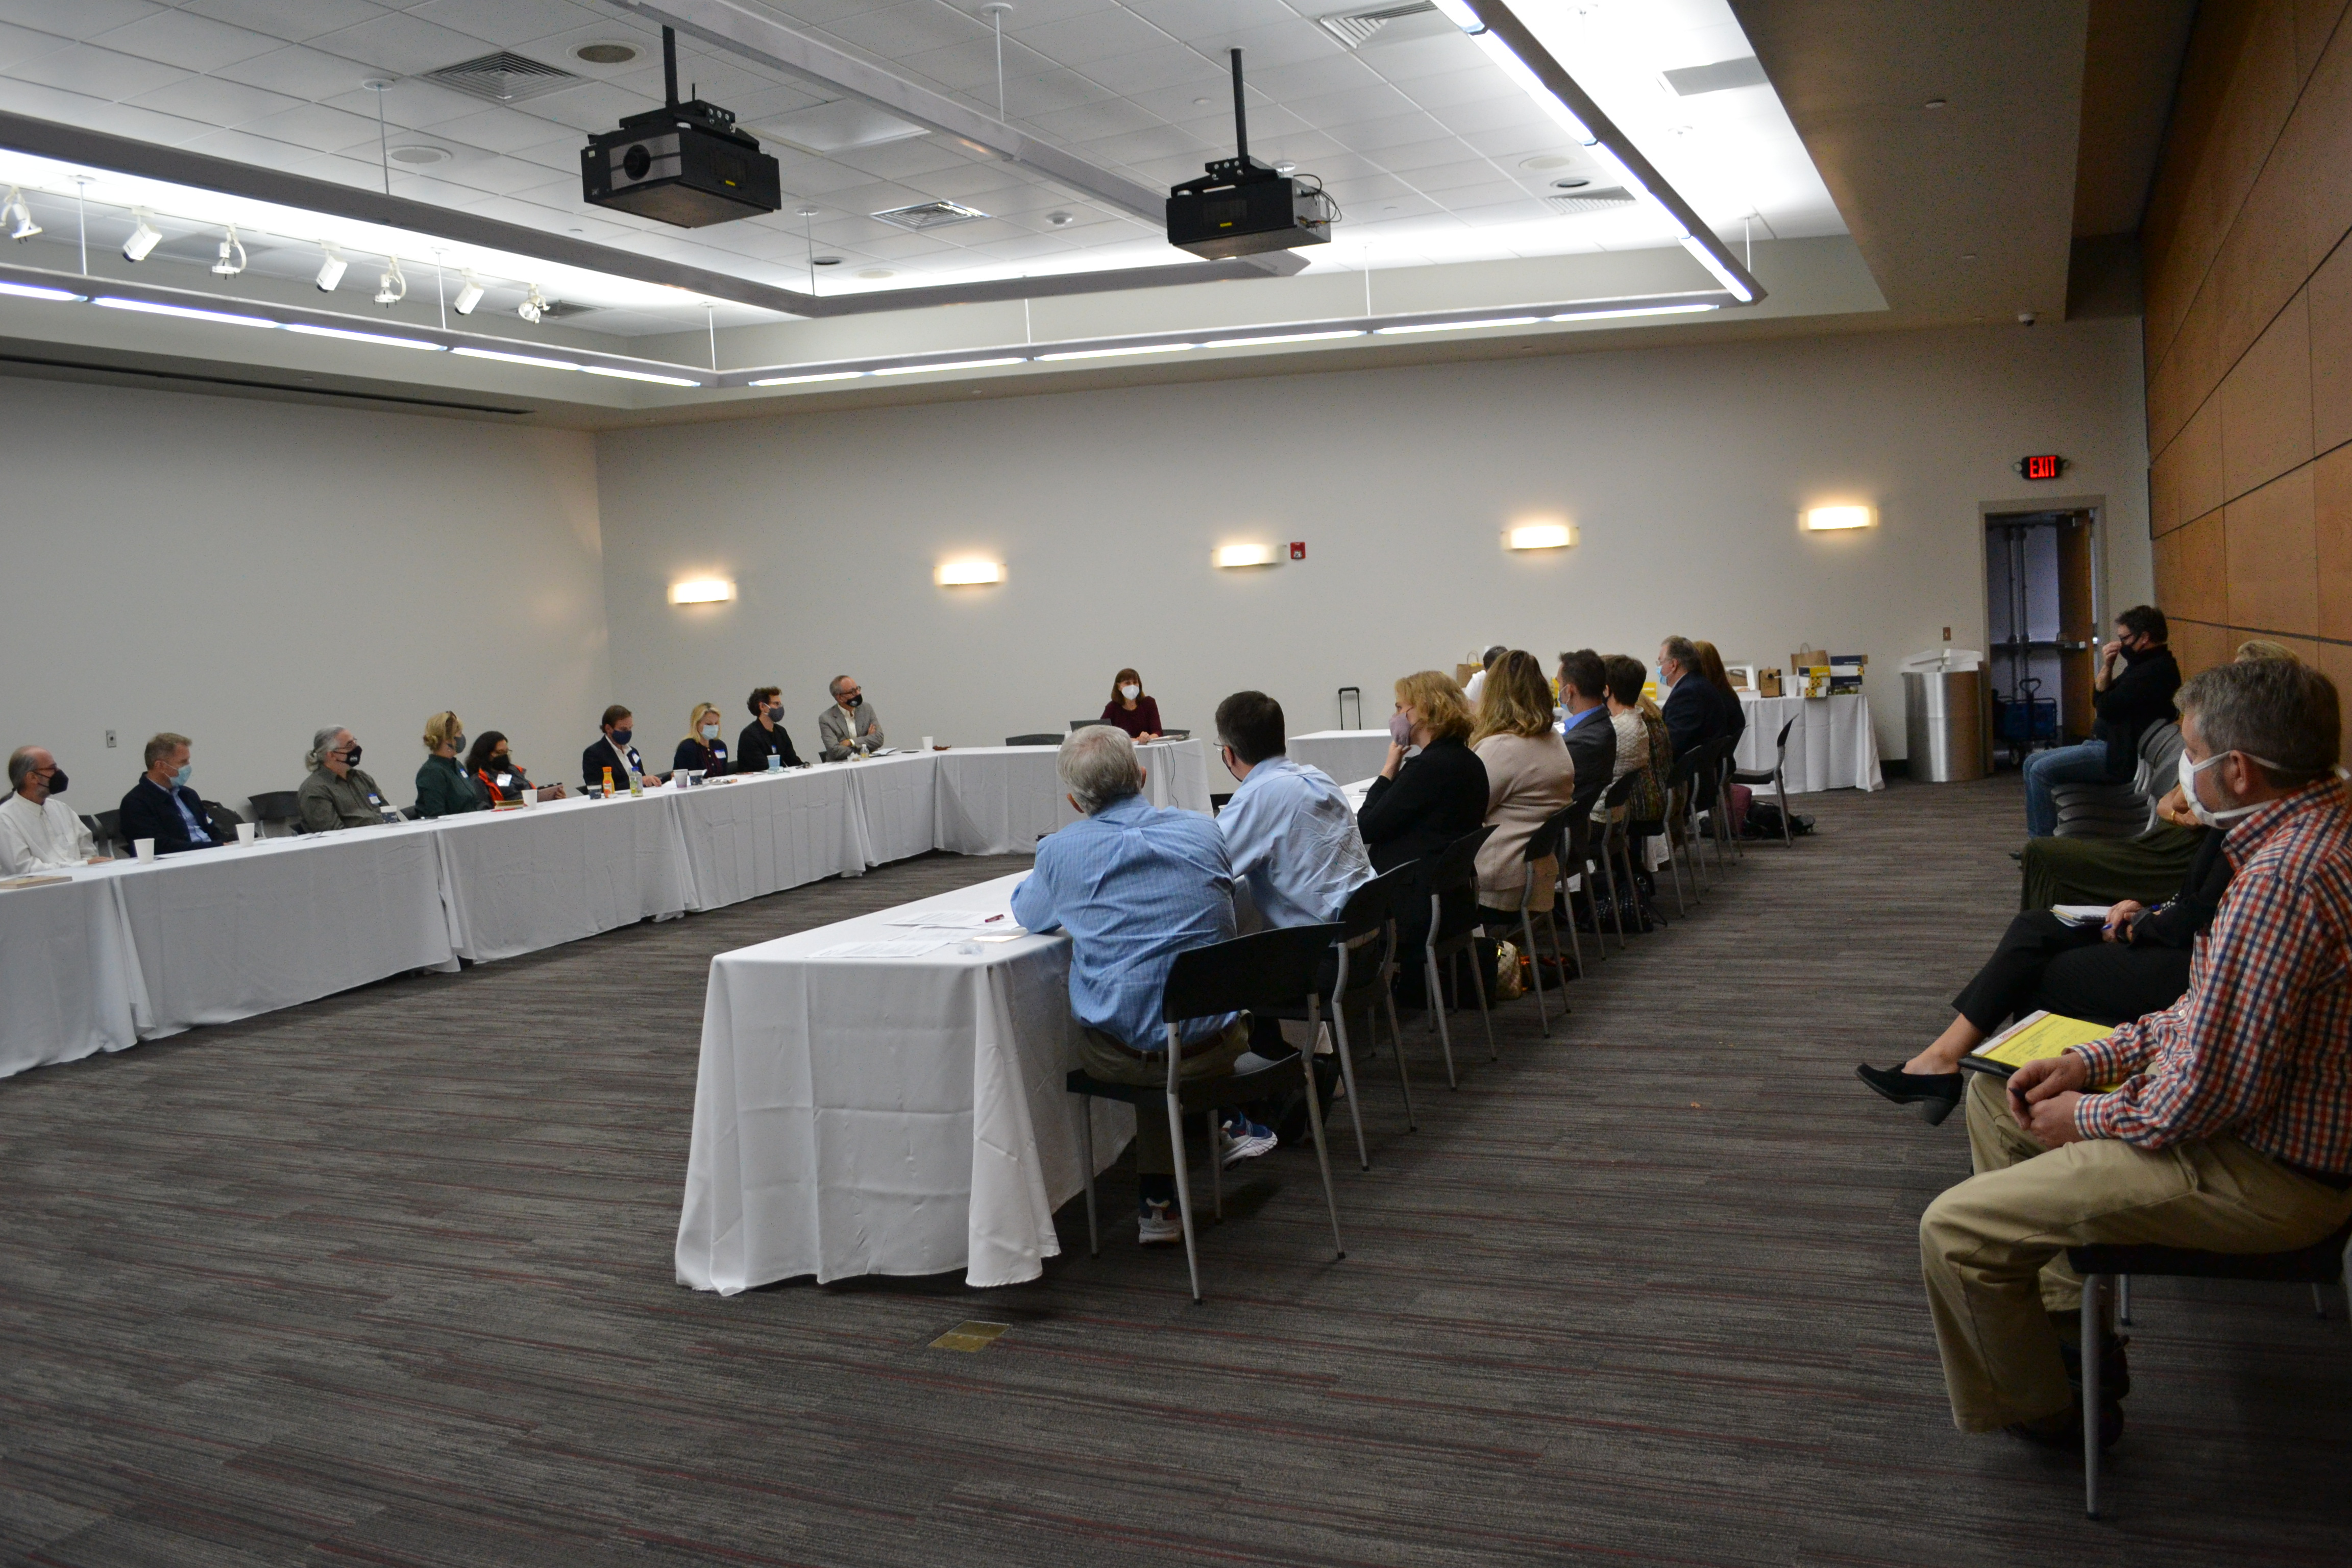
(2048, 467)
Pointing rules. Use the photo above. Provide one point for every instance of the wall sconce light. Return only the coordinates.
(1242, 555)
(970, 574)
(1540, 536)
(1828, 518)
(701, 591)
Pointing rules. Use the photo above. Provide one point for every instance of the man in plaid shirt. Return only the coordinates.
(2227, 1126)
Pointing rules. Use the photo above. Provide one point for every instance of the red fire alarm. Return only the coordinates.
(1298, 549)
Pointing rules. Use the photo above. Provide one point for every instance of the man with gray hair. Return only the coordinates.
(337, 794)
(2223, 1123)
(850, 724)
(1135, 885)
(39, 832)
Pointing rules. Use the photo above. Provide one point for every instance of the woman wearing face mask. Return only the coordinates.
(702, 751)
(1420, 805)
(444, 786)
(1130, 710)
(493, 765)
(765, 736)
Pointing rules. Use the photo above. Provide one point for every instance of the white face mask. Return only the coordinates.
(1130, 692)
(2206, 813)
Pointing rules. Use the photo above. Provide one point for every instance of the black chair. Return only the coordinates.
(1576, 863)
(1777, 775)
(1454, 871)
(1682, 790)
(1032, 740)
(1728, 843)
(1265, 971)
(1550, 841)
(277, 806)
(1362, 969)
(2322, 1263)
(107, 828)
(1612, 813)
(1640, 834)
(225, 818)
(1078, 724)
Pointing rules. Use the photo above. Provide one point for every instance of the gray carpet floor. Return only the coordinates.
(386, 1280)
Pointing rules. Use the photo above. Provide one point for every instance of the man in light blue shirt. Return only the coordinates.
(1135, 885)
(1288, 830)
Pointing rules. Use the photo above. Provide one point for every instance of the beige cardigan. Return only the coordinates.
(1528, 778)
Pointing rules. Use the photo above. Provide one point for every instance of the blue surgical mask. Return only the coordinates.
(710, 732)
(179, 779)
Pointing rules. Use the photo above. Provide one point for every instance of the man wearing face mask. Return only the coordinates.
(2131, 690)
(850, 724)
(163, 807)
(337, 794)
(2223, 1123)
(39, 832)
(765, 736)
(613, 753)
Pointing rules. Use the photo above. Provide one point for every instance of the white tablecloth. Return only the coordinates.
(1833, 745)
(770, 832)
(518, 881)
(69, 987)
(1000, 800)
(885, 1116)
(1344, 754)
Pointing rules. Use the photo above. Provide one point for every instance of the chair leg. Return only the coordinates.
(1780, 789)
(1616, 898)
(2095, 1293)
(1551, 925)
(2319, 1303)
(1674, 869)
(1216, 1163)
(1087, 1152)
(1184, 1193)
(1535, 969)
(1347, 1074)
(1575, 942)
(1632, 882)
(1437, 1015)
(1322, 1154)
(2122, 1299)
(1478, 984)
(1396, 1041)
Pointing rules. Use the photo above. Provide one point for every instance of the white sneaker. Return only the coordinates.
(1246, 1139)
(1157, 1222)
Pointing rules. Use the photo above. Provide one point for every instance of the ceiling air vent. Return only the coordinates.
(557, 310)
(1357, 28)
(929, 215)
(1610, 199)
(502, 77)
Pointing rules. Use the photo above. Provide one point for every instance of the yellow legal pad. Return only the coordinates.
(970, 1336)
(2030, 1039)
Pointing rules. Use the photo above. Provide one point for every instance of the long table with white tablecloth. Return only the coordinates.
(123, 951)
(1830, 746)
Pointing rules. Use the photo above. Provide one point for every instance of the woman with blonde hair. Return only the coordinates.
(703, 751)
(1422, 803)
(1530, 776)
(444, 787)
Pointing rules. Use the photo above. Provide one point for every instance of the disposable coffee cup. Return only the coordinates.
(247, 833)
(530, 797)
(775, 762)
(926, 743)
(145, 850)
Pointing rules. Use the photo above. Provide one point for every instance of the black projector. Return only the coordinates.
(684, 163)
(1240, 207)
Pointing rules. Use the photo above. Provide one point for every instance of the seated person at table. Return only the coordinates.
(703, 751)
(491, 763)
(2227, 1127)
(163, 807)
(1642, 741)
(1130, 708)
(2127, 701)
(444, 786)
(1529, 776)
(1288, 828)
(1135, 885)
(1689, 707)
(765, 736)
(1591, 737)
(2133, 963)
(1476, 688)
(39, 832)
(1727, 703)
(613, 754)
(337, 794)
(1415, 808)
(850, 724)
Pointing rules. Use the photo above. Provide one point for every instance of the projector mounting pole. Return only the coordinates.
(1241, 114)
(670, 65)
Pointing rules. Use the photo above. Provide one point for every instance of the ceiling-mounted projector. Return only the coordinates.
(1242, 206)
(684, 163)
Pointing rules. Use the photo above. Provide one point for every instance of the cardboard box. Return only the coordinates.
(1768, 680)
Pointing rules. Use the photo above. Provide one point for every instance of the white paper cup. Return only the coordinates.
(530, 797)
(145, 850)
(247, 833)
(926, 743)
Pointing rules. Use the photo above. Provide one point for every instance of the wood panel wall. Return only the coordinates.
(2248, 331)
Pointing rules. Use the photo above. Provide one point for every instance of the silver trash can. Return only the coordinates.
(1944, 725)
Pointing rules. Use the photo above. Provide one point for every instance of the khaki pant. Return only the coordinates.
(1993, 1248)
(1154, 1154)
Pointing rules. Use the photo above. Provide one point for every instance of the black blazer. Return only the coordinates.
(1691, 713)
(598, 757)
(1734, 712)
(2140, 697)
(1592, 747)
(753, 746)
(2176, 923)
(693, 757)
(1436, 798)
(148, 813)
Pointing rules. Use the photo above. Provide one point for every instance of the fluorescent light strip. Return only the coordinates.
(1457, 326)
(1113, 354)
(114, 302)
(516, 359)
(804, 380)
(1532, 85)
(952, 365)
(1283, 338)
(310, 330)
(1639, 310)
(32, 291)
(1723, 274)
(639, 375)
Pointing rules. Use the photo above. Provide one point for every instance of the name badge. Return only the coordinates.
(374, 799)
(505, 779)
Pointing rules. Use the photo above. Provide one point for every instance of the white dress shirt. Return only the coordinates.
(44, 838)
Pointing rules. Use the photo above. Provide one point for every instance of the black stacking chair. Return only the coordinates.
(1777, 775)
(224, 817)
(1726, 842)
(1682, 791)
(1548, 840)
(2323, 1263)
(1267, 970)
(1576, 861)
(277, 806)
(1078, 724)
(1612, 813)
(1362, 968)
(1454, 871)
(1032, 740)
(107, 828)
(1640, 833)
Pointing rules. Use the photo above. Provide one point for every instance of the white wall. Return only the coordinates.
(243, 572)
(1683, 468)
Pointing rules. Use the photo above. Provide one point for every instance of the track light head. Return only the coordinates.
(330, 270)
(469, 293)
(391, 287)
(232, 255)
(143, 237)
(23, 227)
(533, 306)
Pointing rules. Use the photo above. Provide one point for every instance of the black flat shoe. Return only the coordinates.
(1935, 1093)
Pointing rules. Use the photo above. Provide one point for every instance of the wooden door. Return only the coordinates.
(2078, 627)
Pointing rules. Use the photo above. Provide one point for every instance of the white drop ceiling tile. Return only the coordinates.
(1165, 69)
(1286, 43)
(1301, 147)
(1193, 20)
(1371, 100)
(1336, 166)
(590, 107)
(1412, 57)
(507, 23)
(1514, 112)
(96, 73)
(1093, 122)
(27, 43)
(499, 129)
(1372, 137)
(902, 159)
(1371, 189)
(291, 19)
(1492, 192)
(1510, 143)
(1095, 36)
(974, 184)
(1032, 197)
(79, 19)
(1308, 79)
(247, 147)
(1154, 141)
(298, 71)
(1037, 12)
(769, 101)
(971, 66)
(402, 45)
(214, 101)
(826, 184)
(189, 42)
(1461, 174)
(1430, 154)
(909, 28)
(1444, 89)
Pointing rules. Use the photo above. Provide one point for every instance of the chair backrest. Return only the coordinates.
(1620, 790)
(1545, 840)
(1781, 745)
(2159, 758)
(1078, 724)
(275, 805)
(1262, 971)
(108, 829)
(223, 816)
(1456, 864)
(1039, 740)
(1368, 906)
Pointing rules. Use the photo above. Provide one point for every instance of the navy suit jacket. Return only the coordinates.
(1692, 714)
(148, 813)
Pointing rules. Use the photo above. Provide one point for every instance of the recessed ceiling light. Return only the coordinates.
(1968, 256)
(605, 54)
(1061, 220)
(1934, 104)
(1547, 160)
(878, 272)
(1574, 183)
(418, 157)
(1285, 168)
(1204, 102)
(828, 261)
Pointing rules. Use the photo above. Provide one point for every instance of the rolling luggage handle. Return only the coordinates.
(1345, 693)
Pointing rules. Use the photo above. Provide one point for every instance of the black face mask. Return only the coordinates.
(857, 702)
(352, 756)
(621, 736)
(775, 711)
(502, 761)
(57, 781)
